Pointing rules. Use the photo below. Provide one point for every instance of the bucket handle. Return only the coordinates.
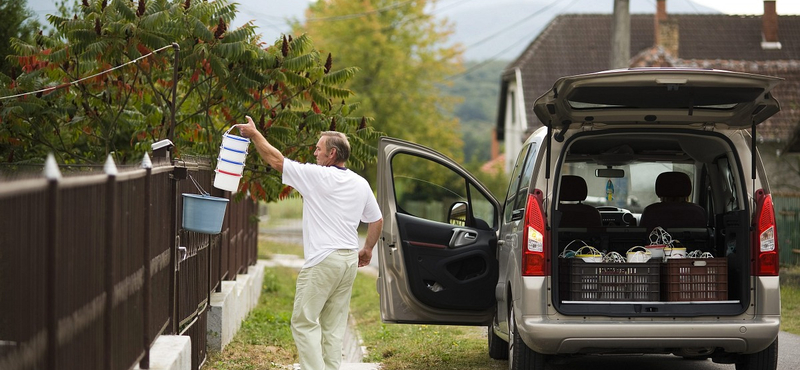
(232, 127)
(200, 188)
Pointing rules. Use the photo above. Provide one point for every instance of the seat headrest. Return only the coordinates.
(673, 185)
(573, 188)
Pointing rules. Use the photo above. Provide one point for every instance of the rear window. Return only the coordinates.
(634, 191)
(662, 97)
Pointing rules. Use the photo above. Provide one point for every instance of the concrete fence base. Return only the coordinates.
(230, 307)
(171, 352)
(227, 311)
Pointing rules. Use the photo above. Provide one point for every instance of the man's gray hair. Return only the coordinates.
(338, 140)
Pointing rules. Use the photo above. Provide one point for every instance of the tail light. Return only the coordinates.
(535, 254)
(765, 239)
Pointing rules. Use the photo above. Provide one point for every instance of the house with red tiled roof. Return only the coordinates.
(581, 43)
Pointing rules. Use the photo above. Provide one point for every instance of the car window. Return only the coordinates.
(482, 208)
(634, 191)
(431, 190)
(511, 202)
(729, 185)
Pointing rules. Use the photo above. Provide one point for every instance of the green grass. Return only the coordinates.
(790, 303)
(287, 209)
(265, 340)
(432, 347)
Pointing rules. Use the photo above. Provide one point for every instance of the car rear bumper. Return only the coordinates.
(587, 336)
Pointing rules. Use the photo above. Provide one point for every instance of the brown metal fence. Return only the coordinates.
(787, 217)
(94, 267)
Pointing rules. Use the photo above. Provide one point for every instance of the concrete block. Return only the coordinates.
(220, 320)
(171, 352)
(230, 307)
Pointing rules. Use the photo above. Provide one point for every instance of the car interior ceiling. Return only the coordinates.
(618, 150)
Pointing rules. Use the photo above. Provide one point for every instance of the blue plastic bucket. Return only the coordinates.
(203, 213)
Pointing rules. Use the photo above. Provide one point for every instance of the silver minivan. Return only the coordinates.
(638, 219)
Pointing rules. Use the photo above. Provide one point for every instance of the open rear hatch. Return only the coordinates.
(657, 99)
(661, 96)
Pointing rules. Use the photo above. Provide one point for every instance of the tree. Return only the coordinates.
(131, 93)
(401, 51)
(16, 21)
(477, 113)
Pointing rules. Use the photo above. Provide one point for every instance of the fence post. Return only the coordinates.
(53, 175)
(178, 173)
(110, 169)
(146, 288)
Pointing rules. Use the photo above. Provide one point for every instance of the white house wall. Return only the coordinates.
(516, 123)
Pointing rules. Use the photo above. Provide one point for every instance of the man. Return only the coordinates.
(335, 200)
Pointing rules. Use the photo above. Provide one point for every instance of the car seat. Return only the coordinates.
(674, 210)
(573, 189)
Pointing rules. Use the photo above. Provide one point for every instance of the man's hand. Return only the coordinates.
(268, 153)
(248, 129)
(364, 257)
(373, 232)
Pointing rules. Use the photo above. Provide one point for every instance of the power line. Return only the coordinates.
(513, 45)
(61, 86)
(523, 20)
(359, 15)
(448, 6)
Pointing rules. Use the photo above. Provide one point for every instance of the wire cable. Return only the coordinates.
(57, 87)
(497, 55)
(359, 15)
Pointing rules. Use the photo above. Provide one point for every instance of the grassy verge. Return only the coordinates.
(430, 347)
(790, 304)
(265, 340)
(287, 209)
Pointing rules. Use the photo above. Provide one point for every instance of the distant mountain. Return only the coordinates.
(497, 29)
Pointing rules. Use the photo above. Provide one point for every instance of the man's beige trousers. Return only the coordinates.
(321, 306)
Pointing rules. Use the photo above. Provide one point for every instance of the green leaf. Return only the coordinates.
(202, 32)
(301, 62)
(124, 9)
(218, 66)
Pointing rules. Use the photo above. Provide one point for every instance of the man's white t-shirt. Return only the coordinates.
(335, 200)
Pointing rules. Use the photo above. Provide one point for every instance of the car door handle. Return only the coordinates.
(463, 237)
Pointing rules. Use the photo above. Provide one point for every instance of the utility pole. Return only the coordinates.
(621, 35)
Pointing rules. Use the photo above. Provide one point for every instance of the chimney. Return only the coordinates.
(666, 30)
(661, 15)
(769, 26)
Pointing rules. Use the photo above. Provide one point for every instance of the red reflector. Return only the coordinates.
(533, 265)
(768, 264)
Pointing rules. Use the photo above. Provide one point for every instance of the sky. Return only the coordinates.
(785, 7)
(270, 16)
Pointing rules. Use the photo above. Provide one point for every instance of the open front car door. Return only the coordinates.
(437, 258)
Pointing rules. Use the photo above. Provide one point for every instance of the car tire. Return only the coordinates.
(520, 356)
(764, 360)
(498, 348)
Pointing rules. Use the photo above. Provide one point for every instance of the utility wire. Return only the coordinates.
(513, 45)
(57, 87)
(359, 15)
(523, 20)
(448, 6)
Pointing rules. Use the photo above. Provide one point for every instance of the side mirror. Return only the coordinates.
(458, 214)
